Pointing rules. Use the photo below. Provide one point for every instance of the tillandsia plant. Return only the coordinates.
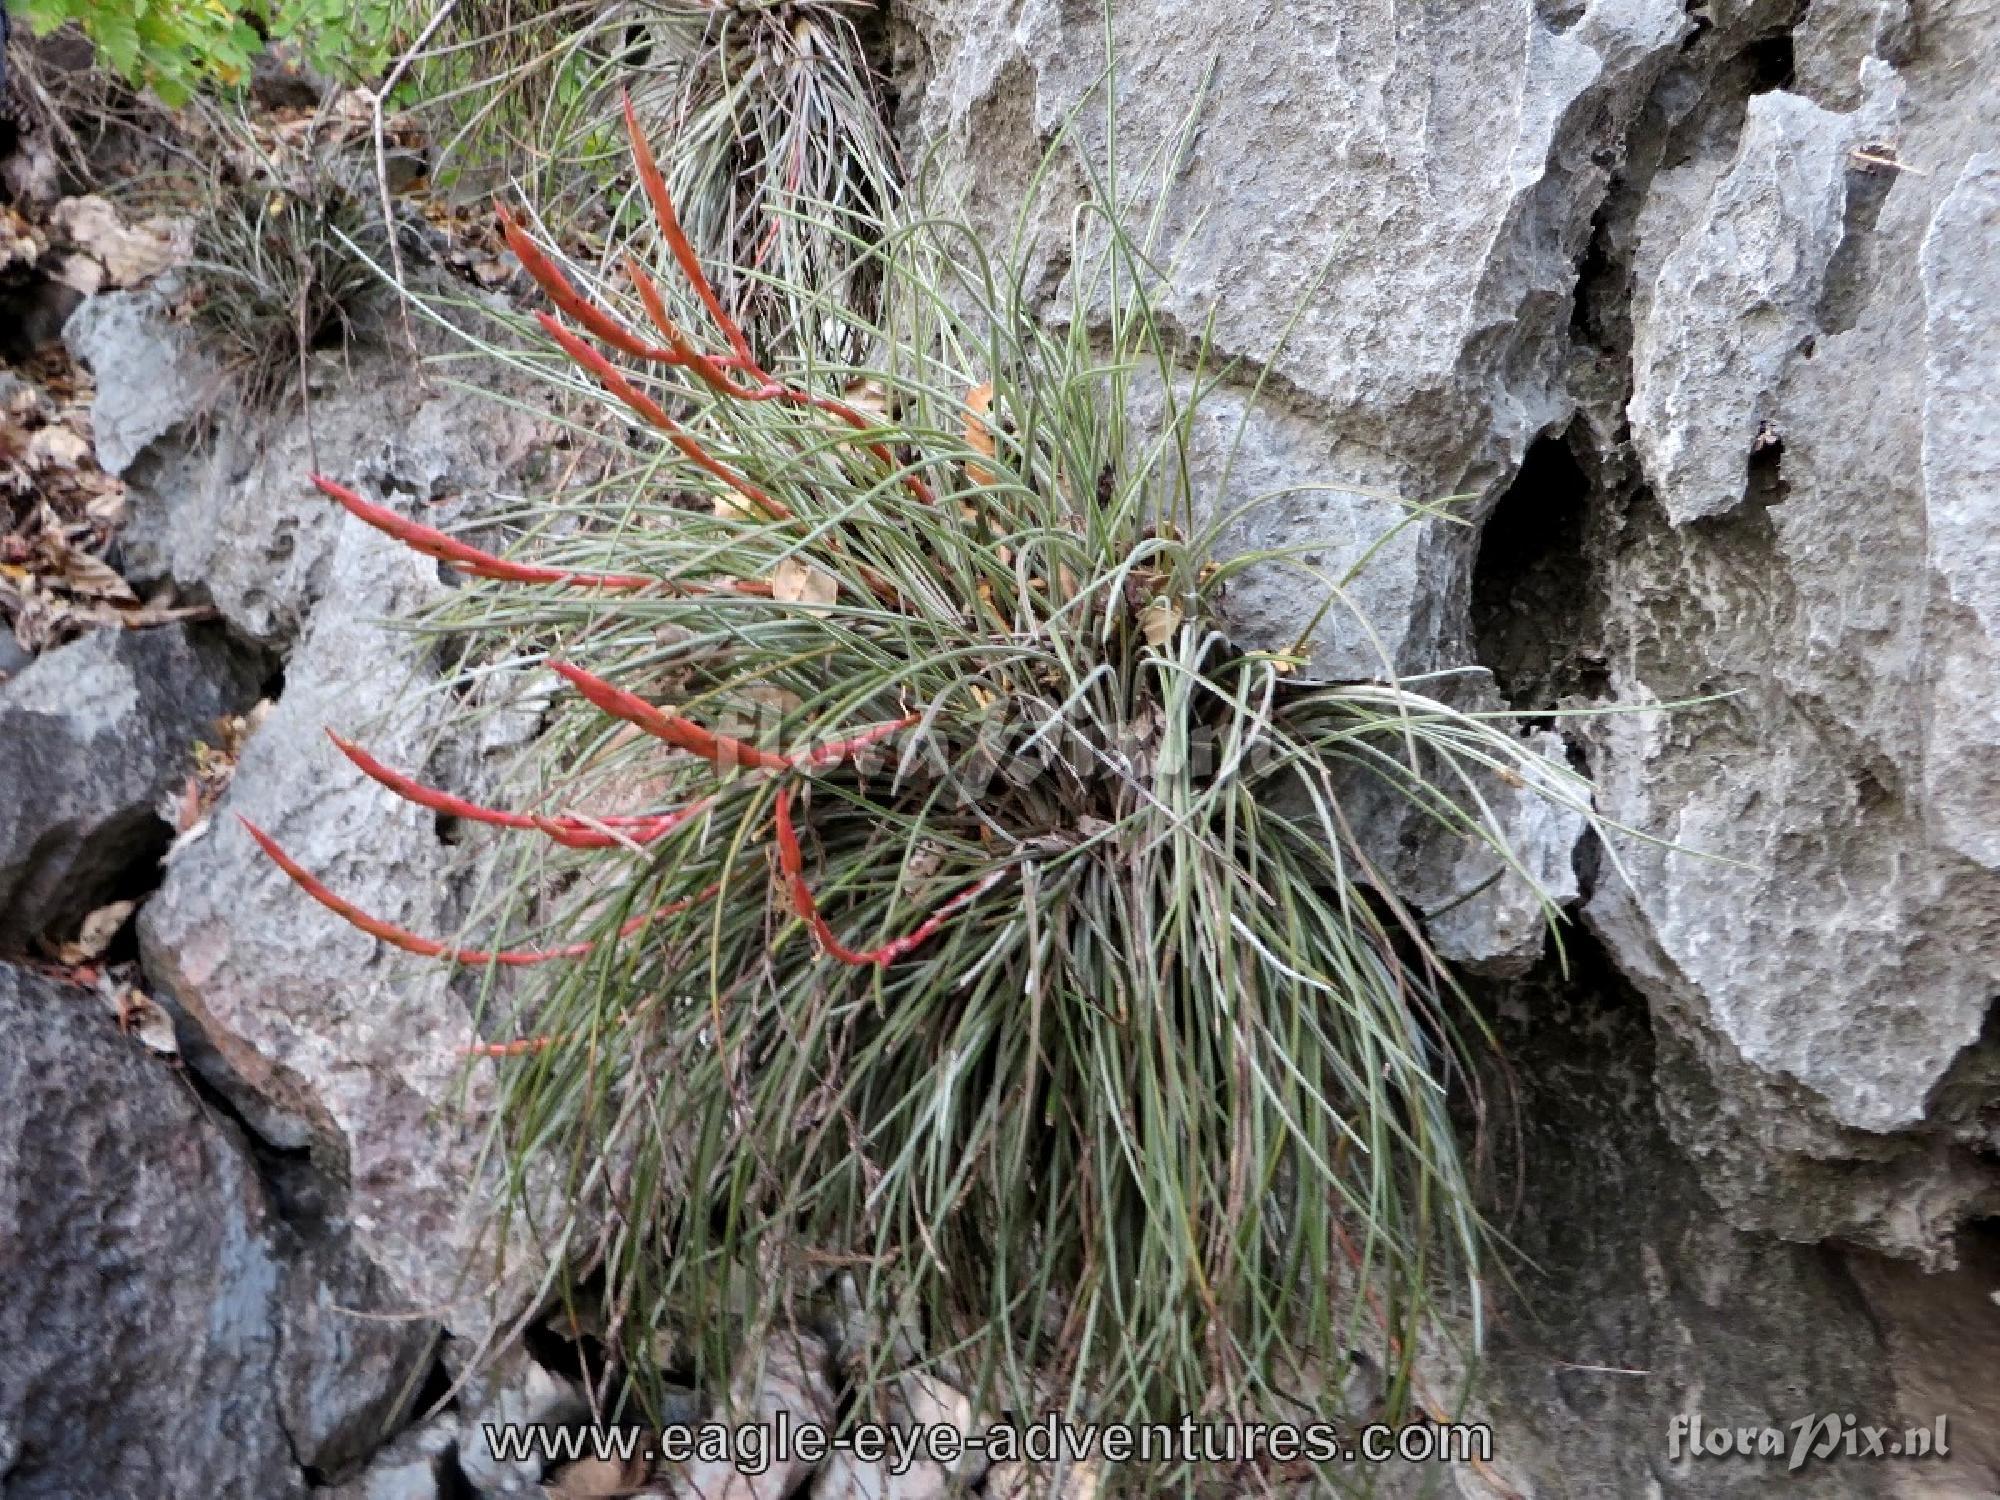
(281, 252)
(930, 897)
(781, 155)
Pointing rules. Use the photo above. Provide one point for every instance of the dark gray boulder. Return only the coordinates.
(92, 736)
(137, 1277)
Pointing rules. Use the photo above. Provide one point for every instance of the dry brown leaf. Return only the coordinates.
(730, 506)
(139, 1015)
(98, 929)
(128, 253)
(597, 1479)
(979, 436)
(57, 447)
(869, 397)
(94, 578)
(1159, 620)
(796, 582)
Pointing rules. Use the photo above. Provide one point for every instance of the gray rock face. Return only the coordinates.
(231, 515)
(1638, 1302)
(152, 376)
(141, 1286)
(1737, 260)
(1827, 955)
(1441, 176)
(96, 734)
(326, 1039)
(1737, 298)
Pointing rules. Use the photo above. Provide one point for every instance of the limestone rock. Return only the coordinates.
(138, 1305)
(324, 1038)
(97, 733)
(789, 1374)
(1442, 178)
(1824, 953)
(230, 514)
(152, 376)
(512, 1391)
(1737, 298)
(419, 1465)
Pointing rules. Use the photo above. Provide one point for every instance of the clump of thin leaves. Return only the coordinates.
(281, 254)
(928, 894)
(777, 149)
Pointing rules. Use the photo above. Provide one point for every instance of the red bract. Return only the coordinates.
(733, 376)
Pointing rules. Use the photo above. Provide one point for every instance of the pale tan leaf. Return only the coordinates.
(129, 254)
(98, 929)
(979, 436)
(869, 397)
(597, 1479)
(57, 448)
(796, 582)
(140, 1016)
(1159, 620)
(94, 578)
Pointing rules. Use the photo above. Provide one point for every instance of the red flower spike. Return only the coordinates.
(718, 750)
(423, 947)
(840, 750)
(434, 543)
(576, 833)
(791, 865)
(677, 240)
(573, 303)
(609, 376)
(518, 1048)
(770, 389)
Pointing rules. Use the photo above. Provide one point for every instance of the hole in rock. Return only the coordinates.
(1529, 581)
(1772, 64)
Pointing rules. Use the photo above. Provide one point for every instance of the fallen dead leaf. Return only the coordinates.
(796, 582)
(1159, 620)
(597, 1479)
(869, 397)
(979, 436)
(140, 1015)
(129, 254)
(98, 929)
(57, 447)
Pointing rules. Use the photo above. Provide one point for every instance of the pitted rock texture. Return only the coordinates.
(1418, 191)
(96, 734)
(327, 1040)
(1738, 297)
(1826, 952)
(169, 1331)
(1734, 262)
(222, 503)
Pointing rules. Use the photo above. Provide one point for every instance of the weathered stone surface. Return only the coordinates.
(1443, 174)
(233, 517)
(1828, 951)
(1637, 1302)
(511, 1390)
(138, 1283)
(419, 1465)
(1737, 297)
(97, 732)
(351, 1355)
(789, 1374)
(325, 1038)
(152, 376)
